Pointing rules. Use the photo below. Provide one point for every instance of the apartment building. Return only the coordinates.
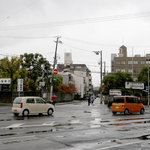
(77, 74)
(132, 64)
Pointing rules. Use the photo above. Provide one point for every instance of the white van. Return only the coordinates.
(31, 105)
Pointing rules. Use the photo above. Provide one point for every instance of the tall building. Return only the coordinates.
(132, 65)
(68, 58)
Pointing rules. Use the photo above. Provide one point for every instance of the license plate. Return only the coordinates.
(15, 111)
(117, 107)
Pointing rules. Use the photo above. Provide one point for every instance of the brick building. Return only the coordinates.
(132, 65)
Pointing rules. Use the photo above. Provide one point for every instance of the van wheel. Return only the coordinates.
(16, 114)
(50, 111)
(114, 113)
(142, 111)
(25, 112)
(126, 112)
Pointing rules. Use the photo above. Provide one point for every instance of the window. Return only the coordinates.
(122, 62)
(30, 100)
(129, 100)
(135, 62)
(147, 61)
(118, 99)
(130, 62)
(39, 101)
(123, 70)
(142, 62)
(132, 100)
(130, 70)
(117, 62)
(17, 101)
(117, 70)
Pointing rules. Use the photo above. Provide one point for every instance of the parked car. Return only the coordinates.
(127, 104)
(31, 105)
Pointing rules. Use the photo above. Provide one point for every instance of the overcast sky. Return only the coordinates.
(31, 26)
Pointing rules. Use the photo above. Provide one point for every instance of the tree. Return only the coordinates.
(143, 75)
(38, 70)
(57, 81)
(116, 81)
(67, 88)
(11, 68)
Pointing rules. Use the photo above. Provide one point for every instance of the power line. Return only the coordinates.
(79, 21)
(20, 10)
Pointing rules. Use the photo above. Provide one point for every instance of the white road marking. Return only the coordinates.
(49, 123)
(12, 138)
(120, 145)
(16, 125)
(75, 122)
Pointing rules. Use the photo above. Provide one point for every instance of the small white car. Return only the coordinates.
(31, 105)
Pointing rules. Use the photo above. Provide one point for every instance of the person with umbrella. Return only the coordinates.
(53, 99)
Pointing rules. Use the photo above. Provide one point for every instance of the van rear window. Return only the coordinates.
(118, 100)
(17, 100)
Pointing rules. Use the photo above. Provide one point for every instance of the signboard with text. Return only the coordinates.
(20, 85)
(115, 92)
(134, 85)
(5, 80)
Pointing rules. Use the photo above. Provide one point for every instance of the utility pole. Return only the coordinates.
(100, 53)
(54, 65)
(148, 81)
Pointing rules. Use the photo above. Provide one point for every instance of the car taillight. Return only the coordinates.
(21, 105)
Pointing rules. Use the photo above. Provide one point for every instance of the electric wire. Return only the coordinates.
(78, 21)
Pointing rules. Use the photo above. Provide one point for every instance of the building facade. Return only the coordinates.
(132, 65)
(77, 74)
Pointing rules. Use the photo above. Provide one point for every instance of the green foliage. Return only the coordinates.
(32, 68)
(38, 70)
(11, 69)
(57, 81)
(116, 81)
(143, 75)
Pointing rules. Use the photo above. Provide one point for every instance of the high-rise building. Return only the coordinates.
(68, 58)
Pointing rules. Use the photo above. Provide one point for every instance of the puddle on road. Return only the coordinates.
(126, 119)
(143, 137)
(8, 134)
(5, 119)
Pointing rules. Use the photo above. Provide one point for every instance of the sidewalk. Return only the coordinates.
(5, 104)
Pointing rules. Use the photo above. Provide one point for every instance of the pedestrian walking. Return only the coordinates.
(92, 99)
(89, 101)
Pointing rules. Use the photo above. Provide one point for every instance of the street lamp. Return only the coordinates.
(100, 53)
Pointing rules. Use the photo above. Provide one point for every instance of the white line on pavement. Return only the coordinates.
(119, 145)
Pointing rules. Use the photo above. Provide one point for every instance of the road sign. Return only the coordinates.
(115, 92)
(55, 71)
(20, 85)
(5, 80)
(134, 85)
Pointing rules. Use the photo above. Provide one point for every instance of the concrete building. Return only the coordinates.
(132, 65)
(77, 74)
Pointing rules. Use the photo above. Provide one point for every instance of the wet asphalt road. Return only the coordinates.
(75, 126)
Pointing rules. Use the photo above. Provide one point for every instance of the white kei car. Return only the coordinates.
(31, 105)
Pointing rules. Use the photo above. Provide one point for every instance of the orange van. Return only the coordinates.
(127, 104)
